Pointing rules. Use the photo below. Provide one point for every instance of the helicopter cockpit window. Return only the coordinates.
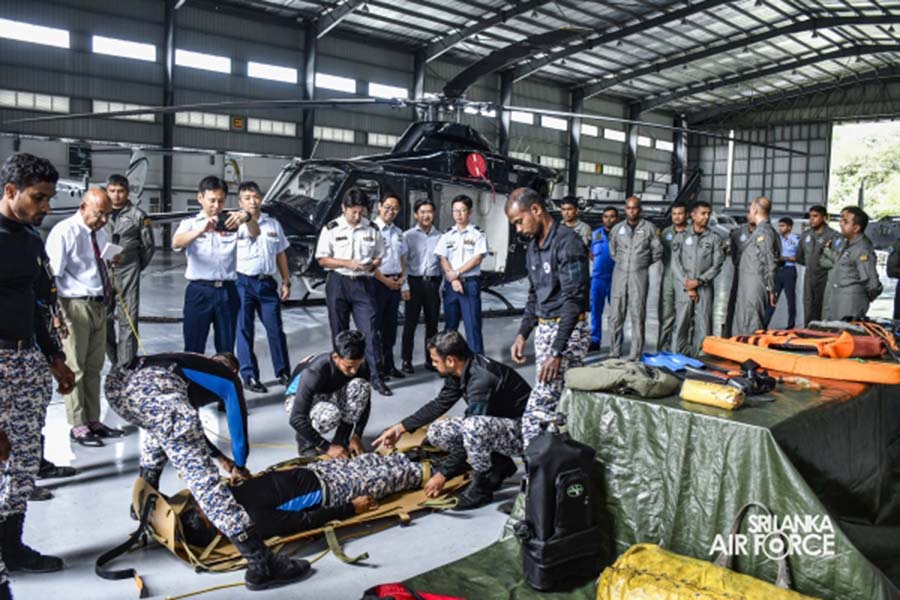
(310, 190)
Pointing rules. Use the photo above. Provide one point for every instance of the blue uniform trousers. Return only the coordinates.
(786, 281)
(356, 295)
(260, 296)
(205, 304)
(468, 306)
(601, 287)
(387, 303)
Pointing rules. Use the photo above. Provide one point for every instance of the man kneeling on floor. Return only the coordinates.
(330, 391)
(285, 502)
(161, 394)
(489, 433)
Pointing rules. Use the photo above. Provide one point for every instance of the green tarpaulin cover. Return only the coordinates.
(675, 474)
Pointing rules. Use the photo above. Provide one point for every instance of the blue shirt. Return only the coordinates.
(603, 264)
(789, 248)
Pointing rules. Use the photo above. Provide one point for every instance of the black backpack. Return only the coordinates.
(562, 543)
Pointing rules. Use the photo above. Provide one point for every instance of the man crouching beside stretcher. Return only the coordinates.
(288, 501)
(488, 434)
(161, 394)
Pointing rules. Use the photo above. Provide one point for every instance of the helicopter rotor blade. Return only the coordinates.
(711, 134)
(230, 104)
(506, 56)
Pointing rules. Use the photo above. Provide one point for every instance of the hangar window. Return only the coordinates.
(643, 140)
(123, 48)
(271, 72)
(32, 101)
(334, 82)
(587, 167)
(591, 130)
(201, 60)
(334, 134)
(613, 171)
(36, 34)
(552, 161)
(200, 119)
(521, 156)
(102, 106)
(522, 117)
(270, 127)
(554, 123)
(383, 139)
(614, 135)
(642, 175)
(381, 90)
(664, 145)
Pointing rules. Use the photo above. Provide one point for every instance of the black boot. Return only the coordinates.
(5, 592)
(477, 493)
(18, 556)
(265, 569)
(502, 467)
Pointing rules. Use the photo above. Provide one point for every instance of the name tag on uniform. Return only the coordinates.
(761, 238)
(469, 242)
(272, 234)
(341, 238)
(368, 238)
(863, 257)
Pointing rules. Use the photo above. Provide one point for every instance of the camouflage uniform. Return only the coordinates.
(24, 395)
(479, 436)
(156, 400)
(366, 475)
(545, 396)
(347, 405)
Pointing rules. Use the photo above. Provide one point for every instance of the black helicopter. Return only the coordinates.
(434, 158)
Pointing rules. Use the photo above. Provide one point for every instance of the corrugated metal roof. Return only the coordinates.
(682, 54)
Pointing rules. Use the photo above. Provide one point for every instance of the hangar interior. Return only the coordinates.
(778, 73)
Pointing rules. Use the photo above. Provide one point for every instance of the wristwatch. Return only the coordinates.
(555, 353)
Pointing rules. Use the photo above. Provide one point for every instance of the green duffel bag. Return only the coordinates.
(618, 376)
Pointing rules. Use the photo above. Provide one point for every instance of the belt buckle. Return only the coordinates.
(218, 284)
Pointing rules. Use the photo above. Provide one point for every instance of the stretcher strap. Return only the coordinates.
(132, 541)
(125, 312)
(335, 546)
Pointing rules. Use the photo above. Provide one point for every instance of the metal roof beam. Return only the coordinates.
(876, 75)
(607, 37)
(650, 104)
(333, 17)
(435, 49)
(808, 25)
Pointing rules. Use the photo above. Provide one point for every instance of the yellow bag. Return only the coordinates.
(647, 572)
(712, 394)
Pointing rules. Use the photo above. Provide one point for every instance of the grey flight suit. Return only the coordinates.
(738, 240)
(893, 271)
(855, 282)
(828, 259)
(815, 278)
(131, 229)
(756, 279)
(666, 306)
(634, 250)
(698, 256)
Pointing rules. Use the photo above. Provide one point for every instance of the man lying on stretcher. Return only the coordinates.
(301, 498)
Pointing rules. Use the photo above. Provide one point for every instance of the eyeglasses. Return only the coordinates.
(389, 209)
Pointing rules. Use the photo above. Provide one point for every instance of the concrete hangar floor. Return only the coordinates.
(89, 513)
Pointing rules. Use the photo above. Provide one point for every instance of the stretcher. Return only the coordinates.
(806, 365)
(160, 519)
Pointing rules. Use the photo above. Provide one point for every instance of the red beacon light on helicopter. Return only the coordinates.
(476, 165)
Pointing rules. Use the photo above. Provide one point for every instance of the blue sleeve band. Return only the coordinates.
(224, 389)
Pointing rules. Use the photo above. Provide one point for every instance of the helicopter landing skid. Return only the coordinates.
(501, 298)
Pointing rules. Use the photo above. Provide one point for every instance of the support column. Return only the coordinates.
(168, 119)
(680, 153)
(503, 116)
(576, 106)
(310, 51)
(631, 146)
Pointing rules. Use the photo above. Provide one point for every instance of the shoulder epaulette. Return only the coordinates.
(477, 228)
(332, 224)
(449, 229)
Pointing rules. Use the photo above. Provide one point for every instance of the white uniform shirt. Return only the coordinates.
(213, 255)
(362, 243)
(459, 246)
(72, 258)
(257, 255)
(394, 247)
